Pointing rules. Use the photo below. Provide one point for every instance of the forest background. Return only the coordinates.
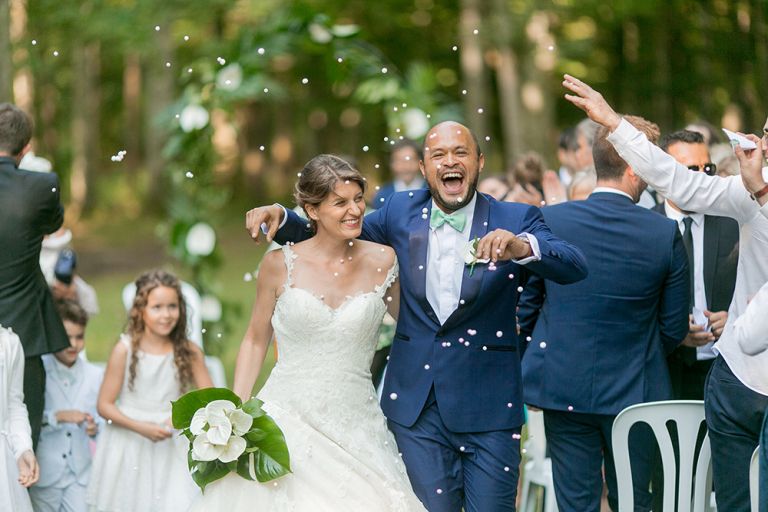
(167, 120)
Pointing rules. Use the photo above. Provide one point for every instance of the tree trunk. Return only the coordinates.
(472, 67)
(85, 125)
(159, 87)
(536, 91)
(132, 112)
(6, 64)
(508, 83)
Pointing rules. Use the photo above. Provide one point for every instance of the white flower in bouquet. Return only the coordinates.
(226, 424)
(201, 239)
(193, 117)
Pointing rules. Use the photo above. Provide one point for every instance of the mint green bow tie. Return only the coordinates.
(456, 220)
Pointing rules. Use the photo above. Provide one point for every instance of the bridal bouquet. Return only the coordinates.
(227, 435)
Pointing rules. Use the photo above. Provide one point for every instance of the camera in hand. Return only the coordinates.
(64, 270)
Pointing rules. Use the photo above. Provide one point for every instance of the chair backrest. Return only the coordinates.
(688, 415)
(754, 481)
(193, 301)
(536, 442)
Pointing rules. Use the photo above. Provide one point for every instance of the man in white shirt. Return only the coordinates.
(736, 393)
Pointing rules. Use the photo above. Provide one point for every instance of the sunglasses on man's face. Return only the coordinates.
(709, 168)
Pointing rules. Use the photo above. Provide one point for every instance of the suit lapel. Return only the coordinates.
(470, 284)
(711, 242)
(418, 242)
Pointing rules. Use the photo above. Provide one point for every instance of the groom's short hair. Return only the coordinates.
(608, 164)
(15, 129)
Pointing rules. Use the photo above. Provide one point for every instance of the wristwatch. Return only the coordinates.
(760, 193)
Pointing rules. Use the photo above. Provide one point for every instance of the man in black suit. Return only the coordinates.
(29, 209)
(712, 246)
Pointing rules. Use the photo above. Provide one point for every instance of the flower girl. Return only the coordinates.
(140, 463)
(18, 466)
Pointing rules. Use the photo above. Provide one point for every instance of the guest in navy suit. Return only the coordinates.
(599, 346)
(404, 162)
(453, 391)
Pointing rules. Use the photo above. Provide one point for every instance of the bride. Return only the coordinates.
(324, 298)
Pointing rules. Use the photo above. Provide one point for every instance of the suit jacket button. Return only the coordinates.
(69, 434)
(63, 455)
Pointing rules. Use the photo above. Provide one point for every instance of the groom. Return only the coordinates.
(453, 389)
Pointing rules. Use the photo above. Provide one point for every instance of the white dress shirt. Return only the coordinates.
(751, 329)
(699, 294)
(445, 262)
(713, 195)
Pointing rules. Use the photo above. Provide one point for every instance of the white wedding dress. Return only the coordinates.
(343, 457)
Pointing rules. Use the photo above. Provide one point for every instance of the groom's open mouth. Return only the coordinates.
(453, 182)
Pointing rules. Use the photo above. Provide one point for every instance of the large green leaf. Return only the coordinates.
(253, 408)
(185, 407)
(271, 459)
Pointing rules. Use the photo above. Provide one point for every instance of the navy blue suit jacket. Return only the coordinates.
(601, 345)
(478, 387)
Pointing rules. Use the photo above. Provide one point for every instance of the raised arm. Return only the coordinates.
(692, 191)
(254, 346)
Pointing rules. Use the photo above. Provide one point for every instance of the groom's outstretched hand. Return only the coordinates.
(591, 102)
(501, 245)
(270, 216)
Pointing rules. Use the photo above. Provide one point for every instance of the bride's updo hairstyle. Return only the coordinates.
(318, 179)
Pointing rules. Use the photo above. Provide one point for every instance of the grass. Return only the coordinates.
(112, 254)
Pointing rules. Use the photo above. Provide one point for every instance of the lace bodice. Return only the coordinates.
(310, 333)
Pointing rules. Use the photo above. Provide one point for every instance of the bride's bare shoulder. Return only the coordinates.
(272, 267)
(381, 255)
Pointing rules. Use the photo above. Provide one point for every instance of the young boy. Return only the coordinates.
(70, 420)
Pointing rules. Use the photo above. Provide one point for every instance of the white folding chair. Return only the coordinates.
(688, 415)
(754, 481)
(537, 471)
(194, 326)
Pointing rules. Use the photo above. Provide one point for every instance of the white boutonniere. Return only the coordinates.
(470, 256)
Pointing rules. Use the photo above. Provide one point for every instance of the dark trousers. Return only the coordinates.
(34, 394)
(579, 445)
(688, 381)
(734, 420)
(450, 471)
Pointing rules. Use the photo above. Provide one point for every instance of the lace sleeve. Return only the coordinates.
(391, 276)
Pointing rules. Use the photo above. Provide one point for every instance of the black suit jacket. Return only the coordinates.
(721, 254)
(30, 208)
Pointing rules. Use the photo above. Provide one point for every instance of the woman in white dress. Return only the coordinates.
(324, 300)
(18, 466)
